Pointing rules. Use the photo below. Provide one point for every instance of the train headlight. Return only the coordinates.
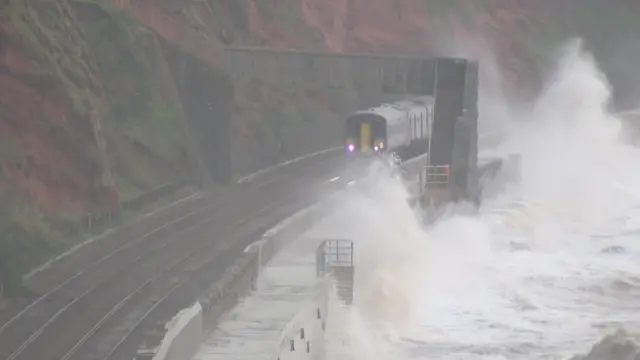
(351, 147)
(375, 148)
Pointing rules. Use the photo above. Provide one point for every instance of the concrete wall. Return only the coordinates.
(186, 331)
(240, 278)
(205, 95)
(290, 103)
(304, 336)
(183, 331)
(375, 74)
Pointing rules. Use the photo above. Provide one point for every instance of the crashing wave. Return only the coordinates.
(617, 346)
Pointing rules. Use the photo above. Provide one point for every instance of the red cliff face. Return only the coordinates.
(425, 28)
(416, 27)
(517, 33)
(42, 139)
(49, 148)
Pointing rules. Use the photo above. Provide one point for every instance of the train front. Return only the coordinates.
(365, 136)
(365, 143)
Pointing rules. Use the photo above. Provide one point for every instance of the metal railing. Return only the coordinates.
(435, 177)
(335, 252)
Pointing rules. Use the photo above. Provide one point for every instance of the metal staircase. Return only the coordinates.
(435, 184)
(335, 258)
(436, 177)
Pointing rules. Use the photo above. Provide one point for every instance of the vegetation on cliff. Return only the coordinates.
(87, 121)
(96, 96)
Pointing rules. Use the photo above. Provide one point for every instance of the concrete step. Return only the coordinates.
(343, 276)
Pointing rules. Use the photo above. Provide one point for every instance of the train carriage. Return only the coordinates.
(402, 128)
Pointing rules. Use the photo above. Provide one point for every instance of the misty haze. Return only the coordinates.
(319, 179)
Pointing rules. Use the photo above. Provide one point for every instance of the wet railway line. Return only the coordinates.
(103, 310)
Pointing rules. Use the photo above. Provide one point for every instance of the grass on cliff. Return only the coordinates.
(76, 40)
(22, 243)
(139, 119)
(146, 129)
(29, 238)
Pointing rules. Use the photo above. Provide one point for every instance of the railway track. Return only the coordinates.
(31, 323)
(87, 256)
(149, 267)
(179, 294)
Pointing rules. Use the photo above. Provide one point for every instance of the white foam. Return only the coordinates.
(459, 289)
(252, 329)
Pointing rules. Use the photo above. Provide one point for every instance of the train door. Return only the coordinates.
(366, 133)
(365, 136)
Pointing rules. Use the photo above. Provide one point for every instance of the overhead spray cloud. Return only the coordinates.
(457, 289)
(573, 161)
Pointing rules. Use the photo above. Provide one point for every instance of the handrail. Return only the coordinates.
(333, 252)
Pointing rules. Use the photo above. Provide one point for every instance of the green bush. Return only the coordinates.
(18, 249)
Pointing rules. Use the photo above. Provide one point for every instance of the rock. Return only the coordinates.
(615, 249)
(617, 346)
(518, 246)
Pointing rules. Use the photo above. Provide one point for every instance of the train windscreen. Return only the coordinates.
(365, 133)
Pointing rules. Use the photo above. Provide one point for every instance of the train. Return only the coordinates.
(401, 128)
(436, 139)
